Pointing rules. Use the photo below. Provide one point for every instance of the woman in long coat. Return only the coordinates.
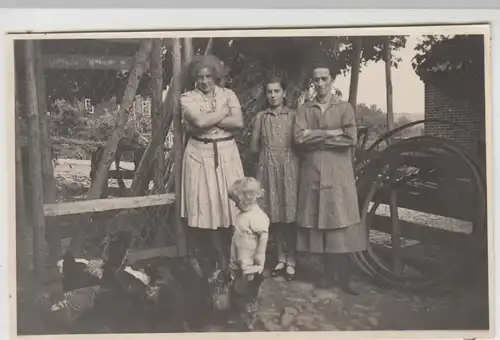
(328, 212)
(211, 162)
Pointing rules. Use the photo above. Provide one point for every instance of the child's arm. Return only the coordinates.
(260, 254)
(260, 226)
(255, 140)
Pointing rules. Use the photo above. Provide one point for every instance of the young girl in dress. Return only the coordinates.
(277, 170)
(248, 248)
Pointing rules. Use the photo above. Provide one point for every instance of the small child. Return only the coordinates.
(248, 247)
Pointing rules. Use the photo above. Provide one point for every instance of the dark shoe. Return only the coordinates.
(279, 269)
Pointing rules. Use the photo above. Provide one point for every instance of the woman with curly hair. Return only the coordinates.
(211, 162)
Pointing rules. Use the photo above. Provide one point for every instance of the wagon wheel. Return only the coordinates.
(407, 196)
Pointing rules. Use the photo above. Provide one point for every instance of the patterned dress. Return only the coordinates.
(278, 165)
(328, 217)
(204, 195)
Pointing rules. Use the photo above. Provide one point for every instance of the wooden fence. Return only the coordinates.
(42, 205)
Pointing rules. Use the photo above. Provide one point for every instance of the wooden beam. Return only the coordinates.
(107, 204)
(157, 111)
(82, 61)
(178, 144)
(49, 183)
(35, 158)
(24, 232)
(419, 232)
(395, 231)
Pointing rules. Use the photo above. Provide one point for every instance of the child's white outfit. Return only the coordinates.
(249, 226)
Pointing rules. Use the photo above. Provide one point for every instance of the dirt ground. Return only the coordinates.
(300, 306)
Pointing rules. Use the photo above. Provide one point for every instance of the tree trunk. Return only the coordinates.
(388, 83)
(108, 155)
(157, 139)
(49, 183)
(210, 44)
(122, 116)
(157, 89)
(355, 69)
(35, 167)
(178, 145)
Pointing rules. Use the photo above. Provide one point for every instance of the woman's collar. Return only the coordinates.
(284, 110)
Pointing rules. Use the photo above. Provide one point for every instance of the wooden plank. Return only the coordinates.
(35, 166)
(81, 61)
(141, 255)
(107, 204)
(419, 232)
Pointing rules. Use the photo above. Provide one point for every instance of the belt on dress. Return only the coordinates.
(214, 142)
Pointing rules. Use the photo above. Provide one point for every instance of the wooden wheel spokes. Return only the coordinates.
(423, 201)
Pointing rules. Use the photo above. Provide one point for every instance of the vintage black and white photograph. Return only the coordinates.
(290, 180)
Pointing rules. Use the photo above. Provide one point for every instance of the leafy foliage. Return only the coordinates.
(443, 53)
(248, 61)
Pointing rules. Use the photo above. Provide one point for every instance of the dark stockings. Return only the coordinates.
(208, 247)
(338, 272)
(285, 237)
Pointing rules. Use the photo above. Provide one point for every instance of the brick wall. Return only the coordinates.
(443, 103)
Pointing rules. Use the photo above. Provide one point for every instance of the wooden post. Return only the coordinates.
(188, 51)
(388, 83)
(24, 232)
(122, 116)
(356, 66)
(210, 44)
(49, 184)
(35, 157)
(178, 145)
(396, 231)
(188, 56)
(157, 89)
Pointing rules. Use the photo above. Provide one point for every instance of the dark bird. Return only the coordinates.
(75, 274)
